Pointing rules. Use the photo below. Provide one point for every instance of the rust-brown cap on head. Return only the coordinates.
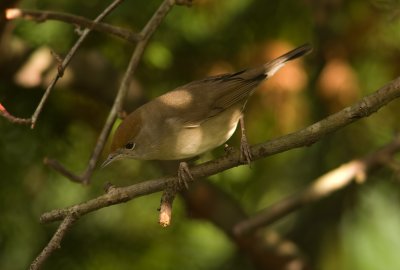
(127, 131)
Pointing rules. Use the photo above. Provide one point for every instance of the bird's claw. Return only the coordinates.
(184, 176)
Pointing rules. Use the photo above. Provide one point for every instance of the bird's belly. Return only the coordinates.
(192, 141)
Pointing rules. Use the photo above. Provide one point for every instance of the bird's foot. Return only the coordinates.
(184, 176)
(245, 153)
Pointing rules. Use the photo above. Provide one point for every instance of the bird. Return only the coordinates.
(194, 118)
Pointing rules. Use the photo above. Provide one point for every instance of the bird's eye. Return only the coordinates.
(129, 145)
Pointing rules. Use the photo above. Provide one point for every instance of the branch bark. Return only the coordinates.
(12, 118)
(54, 244)
(43, 15)
(165, 209)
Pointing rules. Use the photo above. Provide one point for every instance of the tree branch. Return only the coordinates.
(61, 68)
(68, 58)
(146, 34)
(54, 243)
(165, 209)
(43, 15)
(12, 118)
(322, 187)
(305, 137)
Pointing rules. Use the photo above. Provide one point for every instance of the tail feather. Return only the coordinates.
(296, 53)
(274, 65)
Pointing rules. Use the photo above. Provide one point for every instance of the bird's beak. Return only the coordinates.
(110, 158)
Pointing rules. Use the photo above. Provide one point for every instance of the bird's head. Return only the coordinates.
(124, 141)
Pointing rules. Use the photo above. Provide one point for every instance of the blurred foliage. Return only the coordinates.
(356, 51)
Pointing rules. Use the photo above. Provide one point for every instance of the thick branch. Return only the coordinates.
(42, 15)
(322, 187)
(304, 137)
(307, 136)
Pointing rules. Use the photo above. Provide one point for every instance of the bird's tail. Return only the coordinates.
(274, 65)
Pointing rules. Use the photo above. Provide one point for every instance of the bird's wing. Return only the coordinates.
(215, 94)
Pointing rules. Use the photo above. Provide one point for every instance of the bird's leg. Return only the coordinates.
(184, 175)
(245, 153)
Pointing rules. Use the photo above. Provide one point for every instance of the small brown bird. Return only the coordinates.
(194, 118)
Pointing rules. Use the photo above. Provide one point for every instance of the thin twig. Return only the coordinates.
(12, 118)
(68, 58)
(43, 15)
(54, 243)
(322, 187)
(61, 169)
(61, 68)
(304, 137)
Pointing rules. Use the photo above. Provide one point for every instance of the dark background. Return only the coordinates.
(356, 51)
